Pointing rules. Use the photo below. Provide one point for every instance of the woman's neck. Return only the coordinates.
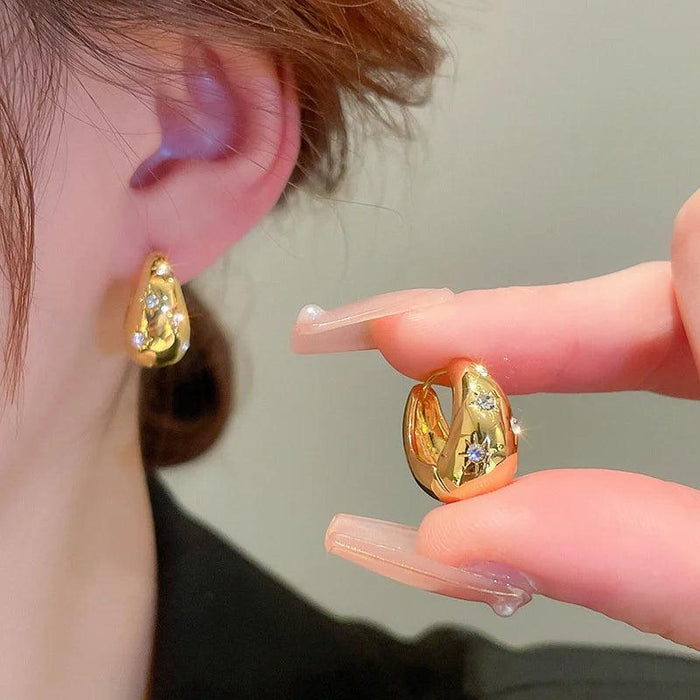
(78, 572)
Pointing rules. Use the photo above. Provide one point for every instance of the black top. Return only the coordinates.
(226, 629)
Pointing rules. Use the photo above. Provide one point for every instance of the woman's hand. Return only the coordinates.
(621, 543)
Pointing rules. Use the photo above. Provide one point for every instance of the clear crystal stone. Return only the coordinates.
(185, 346)
(138, 339)
(486, 402)
(165, 308)
(475, 453)
(480, 369)
(515, 425)
(152, 300)
(162, 270)
(177, 319)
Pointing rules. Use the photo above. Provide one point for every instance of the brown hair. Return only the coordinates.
(347, 57)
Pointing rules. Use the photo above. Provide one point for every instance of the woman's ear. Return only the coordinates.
(228, 142)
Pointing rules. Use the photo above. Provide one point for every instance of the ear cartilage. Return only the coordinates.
(202, 126)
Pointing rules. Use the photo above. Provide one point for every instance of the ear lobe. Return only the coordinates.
(225, 156)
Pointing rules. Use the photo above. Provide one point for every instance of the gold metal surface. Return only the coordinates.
(477, 451)
(157, 323)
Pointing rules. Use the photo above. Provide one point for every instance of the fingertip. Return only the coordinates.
(689, 213)
(617, 542)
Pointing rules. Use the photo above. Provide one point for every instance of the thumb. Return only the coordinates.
(620, 543)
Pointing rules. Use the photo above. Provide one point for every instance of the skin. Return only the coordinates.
(577, 532)
(78, 584)
(77, 590)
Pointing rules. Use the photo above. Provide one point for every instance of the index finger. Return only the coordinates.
(622, 331)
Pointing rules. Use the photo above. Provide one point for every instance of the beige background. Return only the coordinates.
(562, 139)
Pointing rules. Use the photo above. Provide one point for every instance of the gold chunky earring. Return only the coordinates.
(477, 451)
(157, 323)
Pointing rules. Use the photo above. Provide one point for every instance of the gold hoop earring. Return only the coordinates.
(478, 451)
(157, 323)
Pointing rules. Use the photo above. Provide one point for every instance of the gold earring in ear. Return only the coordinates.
(157, 322)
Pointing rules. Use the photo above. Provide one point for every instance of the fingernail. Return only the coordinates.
(348, 327)
(389, 549)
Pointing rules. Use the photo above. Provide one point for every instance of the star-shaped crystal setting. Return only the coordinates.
(139, 340)
(485, 400)
(162, 269)
(477, 453)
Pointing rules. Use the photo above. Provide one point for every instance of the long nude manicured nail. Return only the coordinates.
(389, 549)
(347, 327)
